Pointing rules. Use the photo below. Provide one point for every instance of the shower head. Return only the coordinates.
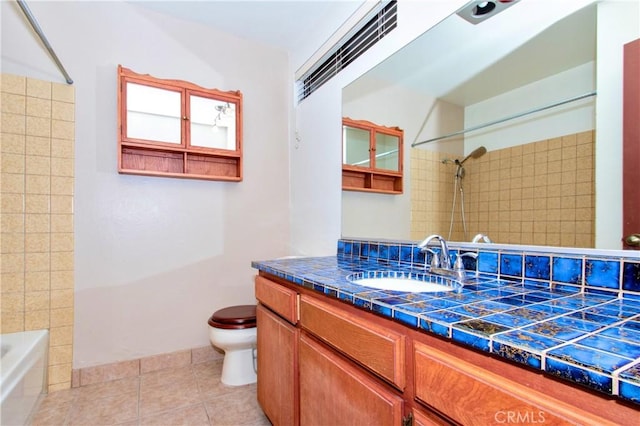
(448, 161)
(476, 153)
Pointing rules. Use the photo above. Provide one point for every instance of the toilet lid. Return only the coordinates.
(241, 316)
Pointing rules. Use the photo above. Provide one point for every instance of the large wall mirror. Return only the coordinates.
(533, 89)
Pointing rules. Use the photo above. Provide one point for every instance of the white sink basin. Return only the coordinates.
(400, 282)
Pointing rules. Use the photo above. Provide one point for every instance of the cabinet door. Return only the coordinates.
(277, 368)
(334, 391)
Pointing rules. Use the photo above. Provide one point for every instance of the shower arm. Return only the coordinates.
(502, 120)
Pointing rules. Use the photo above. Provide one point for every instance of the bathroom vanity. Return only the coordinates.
(333, 353)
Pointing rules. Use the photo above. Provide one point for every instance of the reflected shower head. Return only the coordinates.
(476, 153)
(448, 161)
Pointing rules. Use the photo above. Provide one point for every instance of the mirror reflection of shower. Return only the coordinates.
(458, 187)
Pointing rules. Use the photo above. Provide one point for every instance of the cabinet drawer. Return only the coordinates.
(280, 299)
(471, 395)
(375, 347)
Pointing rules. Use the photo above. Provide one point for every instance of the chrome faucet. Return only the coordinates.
(441, 262)
(444, 260)
(481, 238)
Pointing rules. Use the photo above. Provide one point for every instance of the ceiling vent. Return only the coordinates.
(479, 11)
(362, 36)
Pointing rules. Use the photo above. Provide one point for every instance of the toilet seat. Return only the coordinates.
(234, 317)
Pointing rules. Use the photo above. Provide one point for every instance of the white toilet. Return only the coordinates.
(233, 330)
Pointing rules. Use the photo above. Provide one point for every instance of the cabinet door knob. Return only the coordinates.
(632, 240)
(185, 118)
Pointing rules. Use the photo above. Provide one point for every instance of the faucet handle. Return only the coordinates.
(435, 259)
(459, 265)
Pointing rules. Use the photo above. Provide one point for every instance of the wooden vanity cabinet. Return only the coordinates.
(334, 391)
(277, 340)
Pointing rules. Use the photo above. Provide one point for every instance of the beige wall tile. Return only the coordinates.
(13, 163)
(37, 184)
(63, 111)
(12, 282)
(160, 362)
(62, 129)
(61, 185)
(38, 88)
(60, 373)
(12, 302)
(60, 354)
(12, 143)
(12, 321)
(37, 203)
(62, 148)
(62, 204)
(14, 84)
(37, 242)
(36, 280)
(59, 336)
(37, 262)
(38, 145)
(13, 103)
(36, 320)
(56, 387)
(36, 301)
(61, 280)
(38, 165)
(12, 262)
(62, 223)
(38, 126)
(62, 261)
(37, 107)
(103, 373)
(12, 222)
(12, 203)
(37, 223)
(63, 92)
(13, 123)
(61, 299)
(62, 167)
(61, 317)
(11, 183)
(62, 241)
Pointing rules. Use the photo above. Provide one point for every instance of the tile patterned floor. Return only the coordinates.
(190, 395)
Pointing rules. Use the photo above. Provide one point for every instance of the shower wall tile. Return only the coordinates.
(37, 215)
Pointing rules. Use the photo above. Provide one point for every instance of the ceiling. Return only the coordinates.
(289, 25)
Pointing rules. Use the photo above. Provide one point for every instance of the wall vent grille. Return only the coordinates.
(364, 35)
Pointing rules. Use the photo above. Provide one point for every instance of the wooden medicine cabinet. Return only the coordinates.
(174, 128)
(371, 157)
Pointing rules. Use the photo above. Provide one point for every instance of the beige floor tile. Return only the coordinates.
(111, 410)
(52, 416)
(110, 389)
(191, 415)
(240, 408)
(167, 377)
(168, 397)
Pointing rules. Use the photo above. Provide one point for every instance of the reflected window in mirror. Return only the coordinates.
(174, 128)
(371, 157)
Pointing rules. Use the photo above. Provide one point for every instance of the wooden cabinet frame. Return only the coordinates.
(372, 179)
(180, 160)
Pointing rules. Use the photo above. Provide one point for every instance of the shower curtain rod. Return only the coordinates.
(38, 30)
(502, 120)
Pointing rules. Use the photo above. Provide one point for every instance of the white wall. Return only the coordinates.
(156, 256)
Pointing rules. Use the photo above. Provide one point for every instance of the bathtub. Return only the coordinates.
(23, 374)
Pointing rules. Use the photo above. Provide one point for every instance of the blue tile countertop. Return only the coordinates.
(556, 324)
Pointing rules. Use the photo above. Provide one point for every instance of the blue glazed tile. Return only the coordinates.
(341, 244)
(446, 316)
(488, 262)
(567, 270)
(356, 249)
(589, 357)
(629, 390)
(519, 355)
(631, 276)
(583, 376)
(381, 309)
(599, 319)
(405, 254)
(347, 297)
(474, 340)
(364, 250)
(508, 320)
(537, 267)
(622, 333)
(383, 251)
(577, 324)
(511, 265)
(531, 341)
(632, 325)
(632, 374)
(602, 273)
(553, 330)
(394, 253)
(406, 317)
(480, 326)
(418, 256)
(435, 327)
(373, 251)
(618, 347)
